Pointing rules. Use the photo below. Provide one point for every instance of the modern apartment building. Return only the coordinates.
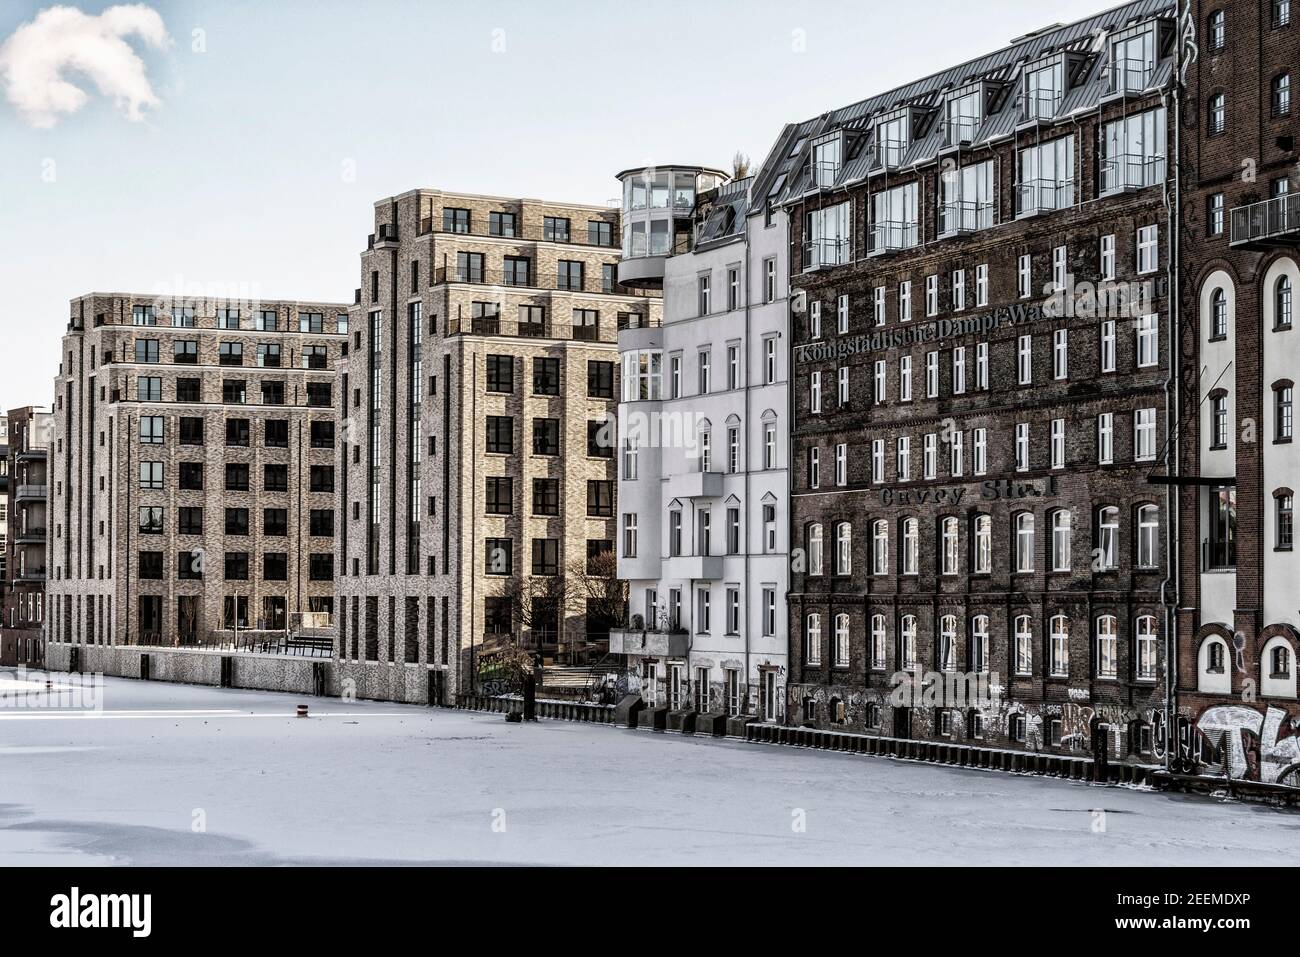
(477, 473)
(192, 486)
(1240, 278)
(981, 363)
(704, 422)
(21, 640)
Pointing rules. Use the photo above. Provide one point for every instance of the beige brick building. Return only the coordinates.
(192, 488)
(478, 470)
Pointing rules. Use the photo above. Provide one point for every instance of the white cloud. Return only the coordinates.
(61, 41)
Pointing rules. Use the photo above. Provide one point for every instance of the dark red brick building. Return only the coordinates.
(1239, 574)
(981, 386)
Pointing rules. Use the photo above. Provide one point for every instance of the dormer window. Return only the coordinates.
(1044, 90)
(963, 115)
(827, 160)
(893, 137)
(1133, 56)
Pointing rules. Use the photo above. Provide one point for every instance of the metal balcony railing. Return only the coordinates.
(530, 233)
(890, 153)
(1272, 219)
(824, 253)
(1131, 171)
(825, 173)
(960, 129)
(1128, 75)
(1218, 555)
(965, 216)
(1035, 196)
(31, 491)
(1039, 105)
(498, 326)
(888, 237)
(514, 278)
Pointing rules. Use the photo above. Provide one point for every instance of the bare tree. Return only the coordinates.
(598, 592)
(739, 165)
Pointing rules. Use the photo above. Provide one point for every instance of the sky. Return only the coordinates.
(241, 145)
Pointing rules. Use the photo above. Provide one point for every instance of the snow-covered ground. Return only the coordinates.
(171, 774)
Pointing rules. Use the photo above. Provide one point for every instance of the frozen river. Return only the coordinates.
(171, 774)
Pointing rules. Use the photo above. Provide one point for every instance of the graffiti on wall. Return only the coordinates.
(1256, 746)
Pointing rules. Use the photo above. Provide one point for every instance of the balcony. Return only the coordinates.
(890, 153)
(960, 130)
(31, 491)
(1272, 222)
(30, 536)
(1129, 77)
(694, 485)
(530, 233)
(1039, 106)
(528, 280)
(824, 254)
(892, 237)
(1218, 555)
(31, 575)
(962, 217)
(693, 567)
(385, 236)
(1131, 171)
(1037, 196)
(825, 173)
(652, 642)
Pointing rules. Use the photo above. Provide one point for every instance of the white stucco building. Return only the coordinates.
(702, 481)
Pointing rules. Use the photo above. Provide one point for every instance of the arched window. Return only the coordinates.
(979, 643)
(1212, 674)
(1277, 664)
(815, 549)
(1059, 647)
(1216, 31)
(813, 639)
(1283, 410)
(1025, 542)
(843, 548)
(947, 650)
(1148, 535)
(1023, 645)
(1282, 303)
(880, 547)
(1219, 315)
(982, 548)
(1145, 641)
(949, 539)
(841, 640)
(1216, 114)
(1283, 520)
(1107, 554)
(1282, 94)
(1062, 521)
(911, 547)
(1107, 646)
(877, 641)
(907, 642)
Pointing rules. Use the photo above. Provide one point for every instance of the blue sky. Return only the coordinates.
(237, 175)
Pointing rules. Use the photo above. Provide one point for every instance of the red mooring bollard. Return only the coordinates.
(302, 711)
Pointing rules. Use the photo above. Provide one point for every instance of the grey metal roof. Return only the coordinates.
(1004, 66)
(726, 219)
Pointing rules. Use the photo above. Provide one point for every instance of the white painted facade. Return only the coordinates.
(707, 485)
